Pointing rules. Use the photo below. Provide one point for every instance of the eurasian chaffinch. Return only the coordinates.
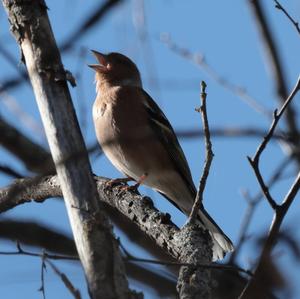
(140, 142)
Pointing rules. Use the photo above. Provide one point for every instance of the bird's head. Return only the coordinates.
(115, 69)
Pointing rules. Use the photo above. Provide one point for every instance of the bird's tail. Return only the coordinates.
(221, 243)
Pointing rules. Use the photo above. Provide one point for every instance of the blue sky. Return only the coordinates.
(225, 33)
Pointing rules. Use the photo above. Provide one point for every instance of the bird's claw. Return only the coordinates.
(114, 182)
(133, 188)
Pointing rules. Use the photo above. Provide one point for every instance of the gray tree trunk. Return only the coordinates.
(98, 250)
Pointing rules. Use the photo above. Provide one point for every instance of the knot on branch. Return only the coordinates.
(66, 75)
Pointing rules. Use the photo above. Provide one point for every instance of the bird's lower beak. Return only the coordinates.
(103, 64)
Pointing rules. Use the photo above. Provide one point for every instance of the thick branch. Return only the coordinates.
(135, 207)
(139, 209)
(33, 234)
(97, 248)
(93, 19)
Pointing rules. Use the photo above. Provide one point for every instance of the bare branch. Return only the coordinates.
(38, 160)
(93, 19)
(215, 266)
(280, 210)
(138, 209)
(160, 282)
(43, 269)
(21, 251)
(34, 234)
(14, 63)
(135, 207)
(252, 206)
(35, 157)
(280, 213)
(262, 184)
(199, 60)
(10, 171)
(163, 285)
(280, 7)
(255, 161)
(277, 68)
(98, 250)
(66, 281)
(231, 132)
(208, 156)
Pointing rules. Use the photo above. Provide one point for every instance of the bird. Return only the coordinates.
(140, 142)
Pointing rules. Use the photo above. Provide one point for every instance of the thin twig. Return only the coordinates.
(68, 284)
(280, 7)
(263, 186)
(276, 118)
(43, 269)
(214, 266)
(199, 60)
(255, 161)
(158, 281)
(277, 68)
(45, 257)
(280, 210)
(252, 205)
(280, 213)
(208, 156)
(21, 251)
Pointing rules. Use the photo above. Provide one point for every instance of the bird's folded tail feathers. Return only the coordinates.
(221, 243)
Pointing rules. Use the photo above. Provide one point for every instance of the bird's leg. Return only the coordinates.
(137, 184)
(113, 182)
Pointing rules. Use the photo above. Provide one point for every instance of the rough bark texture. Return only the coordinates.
(97, 248)
(195, 246)
(188, 245)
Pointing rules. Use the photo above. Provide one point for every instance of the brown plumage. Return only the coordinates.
(138, 139)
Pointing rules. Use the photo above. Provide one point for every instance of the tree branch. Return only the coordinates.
(280, 7)
(199, 60)
(208, 156)
(280, 210)
(255, 161)
(97, 248)
(66, 281)
(139, 209)
(33, 234)
(94, 18)
(277, 68)
(35, 157)
(253, 203)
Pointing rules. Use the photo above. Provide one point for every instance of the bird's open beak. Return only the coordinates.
(103, 64)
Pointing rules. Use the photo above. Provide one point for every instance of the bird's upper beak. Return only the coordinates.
(103, 65)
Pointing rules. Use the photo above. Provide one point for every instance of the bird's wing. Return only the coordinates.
(164, 131)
